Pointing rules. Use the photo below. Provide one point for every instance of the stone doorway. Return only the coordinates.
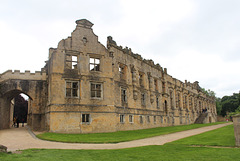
(11, 105)
(210, 119)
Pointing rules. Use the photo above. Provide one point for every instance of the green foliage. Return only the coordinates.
(218, 105)
(230, 103)
(208, 92)
(176, 151)
(119, 136)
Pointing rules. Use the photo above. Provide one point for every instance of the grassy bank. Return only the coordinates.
(119, 136)
(181, 150)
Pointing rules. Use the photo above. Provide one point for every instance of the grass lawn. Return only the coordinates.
(148, 153)
(119, 136)
(220, 137)
(175, 151)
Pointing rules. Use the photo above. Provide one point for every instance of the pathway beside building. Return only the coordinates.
(20, 139)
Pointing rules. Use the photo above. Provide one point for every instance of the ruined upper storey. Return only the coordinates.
(84, 42)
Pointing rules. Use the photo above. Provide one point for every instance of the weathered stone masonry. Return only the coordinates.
(90, 88)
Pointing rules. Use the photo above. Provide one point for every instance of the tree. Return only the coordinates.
(230, 103)
(218, 105)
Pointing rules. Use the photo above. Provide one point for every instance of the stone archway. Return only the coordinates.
(7, 106)
(36, 90)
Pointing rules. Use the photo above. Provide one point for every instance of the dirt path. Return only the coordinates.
(19, 139)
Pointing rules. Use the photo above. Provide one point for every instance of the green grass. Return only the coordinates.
(119, 136)
(220, 137)
(148, 153)
(177, 151)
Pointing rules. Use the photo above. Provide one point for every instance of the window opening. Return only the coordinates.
(94, 64)
(157, 102)
(96, 90)
(141, 119)
(131, 118)
(122, 118)
(71, 89)
(123, 96)
(71, 61)
(143, 99)
(85, 118)
(148, 119)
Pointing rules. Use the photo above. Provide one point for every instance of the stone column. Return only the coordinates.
(236, 123)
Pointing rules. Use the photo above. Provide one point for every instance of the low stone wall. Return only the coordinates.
(3, 148)
(236, 123)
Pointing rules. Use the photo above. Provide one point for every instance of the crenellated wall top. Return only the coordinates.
(27, 75)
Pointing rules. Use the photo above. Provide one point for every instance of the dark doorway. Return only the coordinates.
(20, 110)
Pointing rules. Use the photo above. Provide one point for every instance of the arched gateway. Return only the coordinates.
(31, 84)
(86, 87)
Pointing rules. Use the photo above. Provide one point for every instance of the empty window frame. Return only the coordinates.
(154, 119)
(141, 119)
(94, 64)
(130, 118)
(121, 71)
(123, 96)
(71, 61)
(86, 118)
(96, 90)
(72, 88)
(141, 79)
(156, 85)
(122, 118)
(157, 102)
(143, 99)
(148, 119)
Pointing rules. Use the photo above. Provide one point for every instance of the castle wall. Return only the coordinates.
(134, 92)
(88, 88)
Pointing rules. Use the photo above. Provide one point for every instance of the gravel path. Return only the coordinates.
(20, 138)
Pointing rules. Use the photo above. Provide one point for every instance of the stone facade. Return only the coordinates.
(92, 88)
(236, 123)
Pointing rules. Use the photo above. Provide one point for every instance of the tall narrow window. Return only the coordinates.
(141, 119)
(141, 79)
(85, 118)
(71, 89)
(143, 99)
(122, 119)
(123, 96)
(122, 71)
(157, 102)
(154, 119)
(94, 64)
(171, 99)
(71, 61)
(156, 85)
(96, 90)
(130, 118)
(148, 119)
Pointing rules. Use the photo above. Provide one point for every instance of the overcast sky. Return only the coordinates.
(196, 40)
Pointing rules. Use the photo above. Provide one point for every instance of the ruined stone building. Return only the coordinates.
(86, 87)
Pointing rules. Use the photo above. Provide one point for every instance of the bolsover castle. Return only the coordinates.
(87, 88)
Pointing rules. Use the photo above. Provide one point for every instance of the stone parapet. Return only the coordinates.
(27, 75)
